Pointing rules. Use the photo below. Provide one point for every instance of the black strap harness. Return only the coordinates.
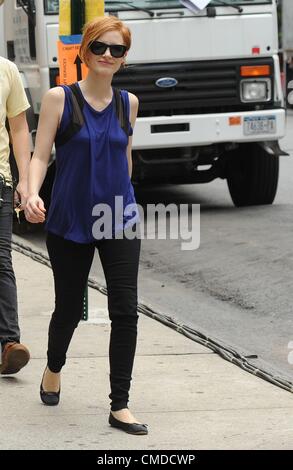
(77, 117)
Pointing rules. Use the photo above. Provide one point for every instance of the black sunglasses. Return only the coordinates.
(99, 48)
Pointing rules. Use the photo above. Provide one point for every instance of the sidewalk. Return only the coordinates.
(189, 396)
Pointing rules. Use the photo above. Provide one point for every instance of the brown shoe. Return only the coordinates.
(14, 357)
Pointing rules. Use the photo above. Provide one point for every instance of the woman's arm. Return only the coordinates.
(133, 100)
(50, 115)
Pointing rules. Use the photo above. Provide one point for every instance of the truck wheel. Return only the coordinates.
(252, 175)
(289, 86)
(289, 101)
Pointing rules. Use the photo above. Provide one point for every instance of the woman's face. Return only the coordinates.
(105, 64)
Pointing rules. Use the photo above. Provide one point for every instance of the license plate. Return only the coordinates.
(260, 125)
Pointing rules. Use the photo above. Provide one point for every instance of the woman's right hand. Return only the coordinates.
(35, 210)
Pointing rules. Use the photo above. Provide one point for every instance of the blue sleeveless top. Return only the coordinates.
(91, 169)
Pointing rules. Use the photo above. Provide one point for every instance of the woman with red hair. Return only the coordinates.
(93, 167)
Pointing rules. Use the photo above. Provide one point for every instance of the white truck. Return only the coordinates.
(209, 85)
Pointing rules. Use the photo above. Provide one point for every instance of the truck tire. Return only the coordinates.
(289, 86)
(252, 175)
(289, 99)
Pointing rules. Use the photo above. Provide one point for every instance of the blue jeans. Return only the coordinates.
(9, 329)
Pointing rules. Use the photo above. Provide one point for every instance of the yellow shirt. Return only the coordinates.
(13, 101)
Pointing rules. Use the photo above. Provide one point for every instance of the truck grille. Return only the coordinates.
(201, 86)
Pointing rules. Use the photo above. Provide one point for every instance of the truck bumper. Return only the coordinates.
(199, 130)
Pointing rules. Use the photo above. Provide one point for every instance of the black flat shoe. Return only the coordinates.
(130, 428)
(49, 398)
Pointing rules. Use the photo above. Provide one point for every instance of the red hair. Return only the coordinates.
(100, 25)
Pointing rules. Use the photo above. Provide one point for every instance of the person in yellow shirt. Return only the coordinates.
(13, 104)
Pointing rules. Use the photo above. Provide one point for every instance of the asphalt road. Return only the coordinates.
(237, 285)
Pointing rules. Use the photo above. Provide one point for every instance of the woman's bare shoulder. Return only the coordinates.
(55, 95)
(133, 99)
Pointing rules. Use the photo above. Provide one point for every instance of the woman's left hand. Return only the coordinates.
(35, 210)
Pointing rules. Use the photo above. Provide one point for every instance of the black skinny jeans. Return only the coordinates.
(71, 263)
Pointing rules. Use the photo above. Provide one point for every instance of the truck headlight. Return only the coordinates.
(255, 90)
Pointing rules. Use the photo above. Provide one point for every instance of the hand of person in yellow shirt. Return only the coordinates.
(21, 195)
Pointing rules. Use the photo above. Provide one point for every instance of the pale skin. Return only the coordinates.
(97, 91)
(21, 149)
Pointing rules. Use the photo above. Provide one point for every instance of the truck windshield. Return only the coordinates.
(52, 6)
(158, 4)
